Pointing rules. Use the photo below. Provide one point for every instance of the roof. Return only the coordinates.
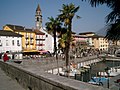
(86, 33)
(78, 36)
(19, 28)
(9, 33)
(96, 36)
(39, 32)
(38, 8)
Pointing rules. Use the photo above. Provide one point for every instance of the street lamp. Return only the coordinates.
(107, 72)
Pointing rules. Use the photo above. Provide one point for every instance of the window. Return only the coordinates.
(13, 42)
(0, 43)
(6, 42)
(38, 19)
(18, 43)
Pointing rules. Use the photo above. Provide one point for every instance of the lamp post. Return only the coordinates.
(107, 72)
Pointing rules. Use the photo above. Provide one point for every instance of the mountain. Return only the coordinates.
(102, 31)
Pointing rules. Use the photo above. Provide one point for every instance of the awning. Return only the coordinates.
(43, 52)
(31, 52)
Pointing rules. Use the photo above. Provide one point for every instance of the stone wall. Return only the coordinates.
(37, 79)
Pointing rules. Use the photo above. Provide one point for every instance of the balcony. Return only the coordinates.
(26, 36)
(40, 39)
(31, 37)
(31, 43)
(27, 43)
(40, 44)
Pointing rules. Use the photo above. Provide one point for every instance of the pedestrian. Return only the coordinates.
(5, 57)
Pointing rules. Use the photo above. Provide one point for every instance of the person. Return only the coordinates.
(5, 57)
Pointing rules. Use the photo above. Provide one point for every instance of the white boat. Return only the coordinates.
(112, 73)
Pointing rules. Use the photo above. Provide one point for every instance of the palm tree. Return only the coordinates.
(113, 32)
(113, 17)
(53, 26)
(66, 16)
(62, 41)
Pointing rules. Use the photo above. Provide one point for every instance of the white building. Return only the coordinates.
(49, 41)
(10, 41)
(40, 40)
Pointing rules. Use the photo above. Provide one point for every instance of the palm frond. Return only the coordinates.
(112, 16)
(78, 17)
(113, 32)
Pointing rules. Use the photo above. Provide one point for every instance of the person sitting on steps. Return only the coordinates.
(5, 57)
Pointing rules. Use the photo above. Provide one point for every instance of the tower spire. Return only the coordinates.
(38, 18)
(38, 8)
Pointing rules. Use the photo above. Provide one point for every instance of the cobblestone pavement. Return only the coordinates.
(6, 83)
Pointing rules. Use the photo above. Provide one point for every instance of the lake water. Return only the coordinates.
(95, 69)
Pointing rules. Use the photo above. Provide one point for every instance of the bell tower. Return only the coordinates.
(38, 18)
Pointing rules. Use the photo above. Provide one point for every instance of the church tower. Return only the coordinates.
(38, 18)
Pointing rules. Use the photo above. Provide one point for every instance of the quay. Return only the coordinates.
(31, 75)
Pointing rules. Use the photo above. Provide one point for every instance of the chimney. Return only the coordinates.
(32, 28)
(24, 27)
(14, 27)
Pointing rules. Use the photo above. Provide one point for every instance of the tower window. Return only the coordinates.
(37, 18)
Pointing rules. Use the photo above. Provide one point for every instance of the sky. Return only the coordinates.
(22, 12)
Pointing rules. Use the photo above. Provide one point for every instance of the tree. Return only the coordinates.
(113, 18)
(62, 41)
(113, 32)
(53, 26)
(66, 16)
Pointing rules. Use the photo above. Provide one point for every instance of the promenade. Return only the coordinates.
(6, 83)
(35, 66)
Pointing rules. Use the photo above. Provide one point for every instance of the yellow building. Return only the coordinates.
(97, 41)
(100, 42)
(28, 39)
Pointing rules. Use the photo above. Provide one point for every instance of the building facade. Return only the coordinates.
(100, 43)
(46, 42)
(28, 39)
(10, 41)
(96, 41)
(40, 40)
